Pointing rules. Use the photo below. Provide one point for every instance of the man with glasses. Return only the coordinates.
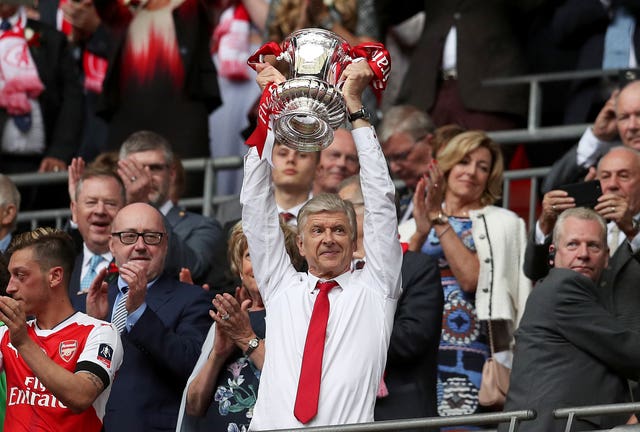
(162, 322)
(406, 133)
(147, 169)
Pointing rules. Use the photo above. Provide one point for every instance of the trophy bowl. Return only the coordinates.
(309, 104)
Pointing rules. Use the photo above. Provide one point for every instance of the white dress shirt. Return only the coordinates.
(591, 149)
(361, 308)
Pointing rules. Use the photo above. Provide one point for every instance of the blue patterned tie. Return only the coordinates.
(617, 41)
(85, 283)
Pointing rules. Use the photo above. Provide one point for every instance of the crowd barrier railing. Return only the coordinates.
(512, 417)
(208, 202)
(534, 132)
(571, 413)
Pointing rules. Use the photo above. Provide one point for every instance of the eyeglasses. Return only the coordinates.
(130, 237)
(156, 167)
(401, 157)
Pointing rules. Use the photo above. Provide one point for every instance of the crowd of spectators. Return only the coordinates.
(329, 297)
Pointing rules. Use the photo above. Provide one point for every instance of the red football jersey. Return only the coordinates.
(80, 343)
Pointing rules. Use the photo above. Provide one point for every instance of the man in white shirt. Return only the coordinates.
(618, 121)
(361, 306)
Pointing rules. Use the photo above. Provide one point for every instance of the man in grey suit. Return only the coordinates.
(570, 349)
(619, 175)
(146, 166)
(617, 121)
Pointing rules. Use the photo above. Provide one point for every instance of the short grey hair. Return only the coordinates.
(581, 213)
(9, 194)
(146, 141)
(408, 119)
(328, 202)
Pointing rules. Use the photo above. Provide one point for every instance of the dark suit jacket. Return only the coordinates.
(622, 277)
(536, 257)
(564, 171)
(79, 302)
(61, 102)
(618, 283)
(487, 48)
(159, 354)
(194, 242)
(411, 371)
(570, 351)
(581, 25)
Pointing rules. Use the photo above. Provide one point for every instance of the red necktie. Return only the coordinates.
(306, 406)
(286, 216)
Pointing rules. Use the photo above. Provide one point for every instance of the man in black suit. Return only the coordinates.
(99, 196)
(463, 43)
(163, 324)
(570, 349)
(581, 26)
(46, 137)
(147, 169)
(617, 122)
(410, 378)
(90, 43)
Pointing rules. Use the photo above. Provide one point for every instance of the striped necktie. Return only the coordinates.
(119, 319)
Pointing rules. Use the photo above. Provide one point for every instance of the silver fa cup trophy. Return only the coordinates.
(309, 105)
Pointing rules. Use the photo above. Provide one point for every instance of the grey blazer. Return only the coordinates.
(570, 351)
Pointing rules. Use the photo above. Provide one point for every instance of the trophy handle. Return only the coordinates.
(270, 48)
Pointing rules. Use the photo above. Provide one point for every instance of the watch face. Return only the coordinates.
(253, 343)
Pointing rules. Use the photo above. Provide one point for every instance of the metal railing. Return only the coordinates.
(571, 413)
(208, 202)
(534, 132)
(512, 417)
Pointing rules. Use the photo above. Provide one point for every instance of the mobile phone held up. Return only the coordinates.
(584, 193)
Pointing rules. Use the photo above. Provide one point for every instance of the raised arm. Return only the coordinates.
(381, 244)
(260, 219)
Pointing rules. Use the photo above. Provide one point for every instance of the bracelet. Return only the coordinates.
(443, 232)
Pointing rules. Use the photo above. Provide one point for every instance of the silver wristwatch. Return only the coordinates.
(253, 344)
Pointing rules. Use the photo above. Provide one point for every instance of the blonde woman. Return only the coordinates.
(480, 248)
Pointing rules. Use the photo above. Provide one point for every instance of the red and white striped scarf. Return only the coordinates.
(19, 79)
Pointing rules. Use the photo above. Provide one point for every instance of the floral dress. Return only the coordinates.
(237, 387)
(463, 344)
